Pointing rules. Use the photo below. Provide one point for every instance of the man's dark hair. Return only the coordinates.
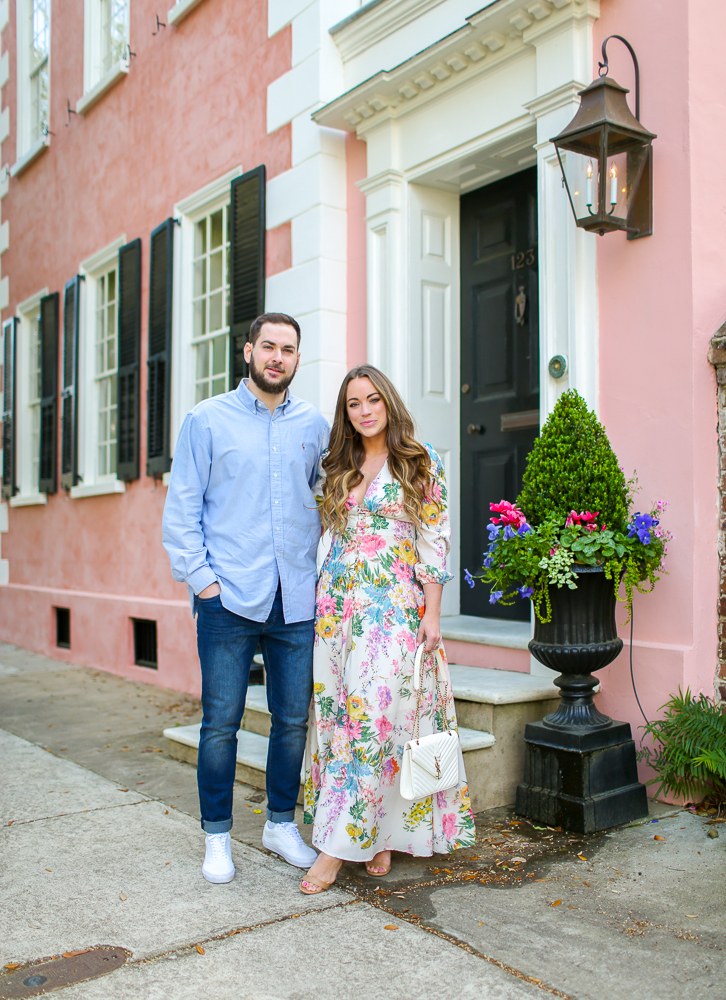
(281, 318)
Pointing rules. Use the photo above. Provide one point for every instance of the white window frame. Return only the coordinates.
(98, 79)
(204, 202)
(26, 468)
(92, 483)
(29, 146)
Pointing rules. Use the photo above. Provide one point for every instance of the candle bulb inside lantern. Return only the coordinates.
(588, 185)
(613, 184)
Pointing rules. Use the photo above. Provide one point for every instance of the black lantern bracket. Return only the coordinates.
(606, 157)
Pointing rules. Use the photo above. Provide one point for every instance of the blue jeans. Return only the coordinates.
(227, 644)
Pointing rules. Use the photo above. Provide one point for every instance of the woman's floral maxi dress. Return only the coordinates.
(370, 602)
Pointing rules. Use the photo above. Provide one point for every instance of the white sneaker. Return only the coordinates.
(218, 865)
(284, 839)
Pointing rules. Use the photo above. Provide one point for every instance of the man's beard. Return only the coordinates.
(274, 388)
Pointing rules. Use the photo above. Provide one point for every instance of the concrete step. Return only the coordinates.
(252, 750)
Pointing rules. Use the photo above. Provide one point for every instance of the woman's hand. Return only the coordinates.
(429, 631)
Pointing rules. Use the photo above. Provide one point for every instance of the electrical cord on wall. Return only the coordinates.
(632, 677)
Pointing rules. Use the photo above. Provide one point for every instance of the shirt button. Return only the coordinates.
(275, 475)
(275, 501)
(277, 529)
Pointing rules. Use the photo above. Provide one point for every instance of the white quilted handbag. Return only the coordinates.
(430, 763)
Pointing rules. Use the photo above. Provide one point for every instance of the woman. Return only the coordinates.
(382, 497)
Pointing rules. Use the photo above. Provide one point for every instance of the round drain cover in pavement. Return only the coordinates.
(56, 973)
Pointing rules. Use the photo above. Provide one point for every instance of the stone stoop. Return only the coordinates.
(492, 706)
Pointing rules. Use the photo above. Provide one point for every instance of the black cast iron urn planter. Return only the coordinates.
(580, 765)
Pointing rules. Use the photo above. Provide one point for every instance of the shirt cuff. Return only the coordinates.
(201, 578)
(431, 574)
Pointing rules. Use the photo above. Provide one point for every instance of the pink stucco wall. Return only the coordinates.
(660, 301)
(192, 107)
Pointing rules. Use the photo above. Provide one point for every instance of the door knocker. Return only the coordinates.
(520, 304)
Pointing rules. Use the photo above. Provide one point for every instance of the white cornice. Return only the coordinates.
(102, 258)
(490, 37)
(366, 27)
(202, 198)
(557, 98)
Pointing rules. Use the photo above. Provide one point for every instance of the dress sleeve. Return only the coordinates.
(434, 534)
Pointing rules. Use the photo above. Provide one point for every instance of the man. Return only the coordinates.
(241, 528)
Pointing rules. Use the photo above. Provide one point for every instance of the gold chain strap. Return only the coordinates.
(417, 716)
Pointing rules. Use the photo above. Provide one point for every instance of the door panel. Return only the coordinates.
(499, 363)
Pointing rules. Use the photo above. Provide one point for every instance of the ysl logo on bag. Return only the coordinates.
(437, 765)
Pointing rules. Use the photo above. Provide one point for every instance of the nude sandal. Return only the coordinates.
(386, 870)
(323, 886)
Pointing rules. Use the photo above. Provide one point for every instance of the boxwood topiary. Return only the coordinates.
(573, 467)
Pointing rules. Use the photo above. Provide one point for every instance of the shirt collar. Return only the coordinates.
(252, 403)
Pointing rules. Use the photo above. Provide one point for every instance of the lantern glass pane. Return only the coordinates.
(616, 186)
(582, 176)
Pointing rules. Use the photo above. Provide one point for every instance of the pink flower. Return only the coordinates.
(353, 728)
(347, 608)
(441, 800)
(511, 515)
(350, 502)
(383, 726)
(449, 824)
(326, 606)
(384, 697)
(407, 639)
(401, 570)
(370, 544)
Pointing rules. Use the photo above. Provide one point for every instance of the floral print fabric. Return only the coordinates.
(370, 602)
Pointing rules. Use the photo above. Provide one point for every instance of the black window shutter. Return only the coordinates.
(158, 391)
(246, 263)
(49, 310)
(69, 393)
(129, 349)
(9, 487)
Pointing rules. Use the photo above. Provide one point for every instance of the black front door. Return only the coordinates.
(499, 364)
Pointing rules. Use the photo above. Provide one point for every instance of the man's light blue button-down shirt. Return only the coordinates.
(240, 510)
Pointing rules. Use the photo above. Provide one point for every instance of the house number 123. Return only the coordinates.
(525, 258)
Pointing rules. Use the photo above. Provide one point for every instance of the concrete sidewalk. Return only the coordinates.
(100, 844)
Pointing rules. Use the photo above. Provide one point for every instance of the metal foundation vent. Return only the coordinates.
(63, 627)
(145, 654)
(57, 973)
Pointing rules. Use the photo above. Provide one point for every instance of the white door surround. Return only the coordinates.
(476, 106)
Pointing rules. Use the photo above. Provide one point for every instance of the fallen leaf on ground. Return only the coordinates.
(200, 949)
(556, 902)
(166, 812)
(122, 895)
(572, 907)
(521, 860)
(582, 857)
(391, 927)
(49, 870)
(12, 965)
(480, 924)
(257, 810)
(11, 822)
(543, 880)
(692, 916)
(658, 838)
(72, 954)
(587, 884)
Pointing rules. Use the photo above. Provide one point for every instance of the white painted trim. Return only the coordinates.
(180, 10)
(202, 199)
(30, 304)
(102, 258)
(363, 28)
(28, 500)
(117, 72)
(166, 479)
(33, 153)
(101, 488)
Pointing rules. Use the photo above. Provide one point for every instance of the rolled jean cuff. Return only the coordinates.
(283, 817)
(224, 827)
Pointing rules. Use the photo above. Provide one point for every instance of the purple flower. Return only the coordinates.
(493, 530)
(487, 562)
(469, 578)
(509, 532)
(642, 523)
(524, 530)
(525, 592)
(495, 595)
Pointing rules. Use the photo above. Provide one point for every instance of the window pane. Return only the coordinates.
(219, 356)
(215, 271)
(215, 312)
(200, 277)
(219, 385)
(216, 223)
(200, 318)
(202, 361)
(200, 238)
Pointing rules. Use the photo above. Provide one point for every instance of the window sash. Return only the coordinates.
(210, 304)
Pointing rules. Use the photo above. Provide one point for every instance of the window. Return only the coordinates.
(106, 365)
(39, 84)
(210, 334)
(114, 33)
(63, 628)
(27, 396)
(145, 652)
(106, 47)
(34, 399)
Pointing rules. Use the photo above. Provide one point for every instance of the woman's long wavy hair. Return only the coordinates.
(408, 460)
